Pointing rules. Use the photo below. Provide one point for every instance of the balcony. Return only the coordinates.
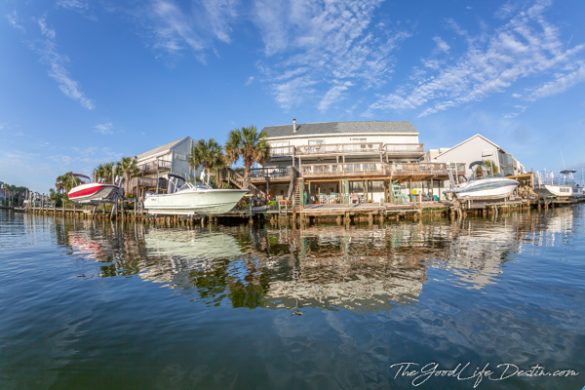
(344, 170)
(400, 150)
(155, 166)
(340, 149)
(259, 175)
(359, 148)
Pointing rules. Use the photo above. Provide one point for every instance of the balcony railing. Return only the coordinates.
(281, 151)
(341, 169)
(379, 169)
(403, 148)
(346, 148)
(155, 166)
(364, 147)
(269, 172)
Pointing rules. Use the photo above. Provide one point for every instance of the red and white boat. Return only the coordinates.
(93, 193)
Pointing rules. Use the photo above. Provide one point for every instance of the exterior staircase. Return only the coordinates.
(237, 180)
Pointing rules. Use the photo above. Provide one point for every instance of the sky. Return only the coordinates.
(84, 82)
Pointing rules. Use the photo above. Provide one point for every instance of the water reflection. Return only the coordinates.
(318, 267)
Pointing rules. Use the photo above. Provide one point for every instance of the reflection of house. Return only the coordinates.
(159, 162)
(342, 162)
(477, 148)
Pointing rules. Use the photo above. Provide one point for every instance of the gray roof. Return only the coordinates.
(163, 148)
(341, 128)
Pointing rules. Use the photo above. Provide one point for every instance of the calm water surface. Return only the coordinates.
(94, 305)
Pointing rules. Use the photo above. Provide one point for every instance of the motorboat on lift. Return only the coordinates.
(187, 199)
(484, 188)
(88, 192)
(559, 188)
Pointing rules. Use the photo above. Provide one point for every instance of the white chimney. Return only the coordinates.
(294, 121)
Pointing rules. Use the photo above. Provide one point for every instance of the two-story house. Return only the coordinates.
(343, 162)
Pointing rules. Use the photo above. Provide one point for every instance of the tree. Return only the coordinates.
(207, 154)
(249, 145)
(65, 182)
(491, 167)
(104, 172)
(128, 168)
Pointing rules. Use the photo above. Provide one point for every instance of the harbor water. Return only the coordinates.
(91, 304)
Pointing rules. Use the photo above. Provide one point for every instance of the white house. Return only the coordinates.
(169, 158)
(477, 148)
(156, 164)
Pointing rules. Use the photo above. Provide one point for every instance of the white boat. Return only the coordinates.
(192, 200)
(483, 188)
(556, 187)
(492, 188)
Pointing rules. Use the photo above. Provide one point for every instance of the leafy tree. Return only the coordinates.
(208, 155)
(128, 168)
(65, 182)
(249, 145)
(104, 172)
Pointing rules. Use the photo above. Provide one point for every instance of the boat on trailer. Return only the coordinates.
(93, 192)
(184, 198)
(484, 188)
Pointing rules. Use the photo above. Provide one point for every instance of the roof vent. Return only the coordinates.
(294, 121)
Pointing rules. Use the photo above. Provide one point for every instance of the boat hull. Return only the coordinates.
(200, 202)
(556, 191)
(93, 193)
(485, 189)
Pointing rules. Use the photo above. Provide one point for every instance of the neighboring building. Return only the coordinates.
(2, 193)
(477, 148)
(157, 163)
(346, 161)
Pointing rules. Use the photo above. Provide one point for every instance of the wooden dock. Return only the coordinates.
(340, 214)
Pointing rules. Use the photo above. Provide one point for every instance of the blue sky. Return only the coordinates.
(84, 82)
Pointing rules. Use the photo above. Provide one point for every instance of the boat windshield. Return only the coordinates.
(189, 186)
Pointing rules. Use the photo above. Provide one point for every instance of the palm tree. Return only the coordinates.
(128, 168)
(207, 154)
(104, 172)
(65, 182)
(250, 145)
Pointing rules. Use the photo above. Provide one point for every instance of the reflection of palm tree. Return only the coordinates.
(208, 155)
(128, 168)
(250, 145)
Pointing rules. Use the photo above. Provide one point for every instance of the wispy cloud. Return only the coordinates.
(105, 128)
(527, 45)
(75, 5)
(56, 63)
(323, 48)
(13, 20)
(561, 82)
(442, 46)
(175, 28)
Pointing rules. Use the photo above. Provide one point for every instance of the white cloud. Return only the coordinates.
(56, 63)
(442, 46)
(105, 128)
(333, 94)
(526, 46)
(175, 29)
(220, 14)
(75, 5)
(319, 46)
(561, 82)
(14, 21)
